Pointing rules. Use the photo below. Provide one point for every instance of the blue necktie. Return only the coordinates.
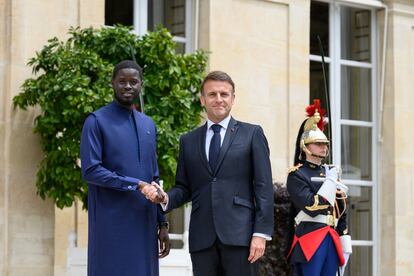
(215, 144)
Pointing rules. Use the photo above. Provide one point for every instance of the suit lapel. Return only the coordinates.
(202, 146)
(228, 139)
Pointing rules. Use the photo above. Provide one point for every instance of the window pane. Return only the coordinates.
(355, 34)
(119, 12)
(356, 93)
(168, 13)
(359, 212)
(360, 262)
(356, 152)
(319, 26)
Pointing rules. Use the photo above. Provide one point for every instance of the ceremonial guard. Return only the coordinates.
(321, 243)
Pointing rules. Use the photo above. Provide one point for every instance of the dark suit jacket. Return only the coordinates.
(232, 202)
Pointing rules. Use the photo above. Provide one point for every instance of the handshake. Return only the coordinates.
(153, 192)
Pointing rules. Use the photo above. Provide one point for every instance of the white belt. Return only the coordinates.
(325, 219)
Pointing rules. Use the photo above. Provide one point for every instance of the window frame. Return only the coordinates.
(336, 62)
(140, 19)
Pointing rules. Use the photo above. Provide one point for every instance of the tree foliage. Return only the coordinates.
(72, 79)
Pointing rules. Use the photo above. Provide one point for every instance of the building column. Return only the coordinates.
(397, 148)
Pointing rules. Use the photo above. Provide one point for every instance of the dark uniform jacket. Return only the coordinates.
(303, 195)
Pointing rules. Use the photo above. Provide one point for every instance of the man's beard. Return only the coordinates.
(127, 102)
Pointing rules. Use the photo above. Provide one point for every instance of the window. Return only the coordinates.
(119, 12)
(172, 15)
(348, 38)
(175, 15)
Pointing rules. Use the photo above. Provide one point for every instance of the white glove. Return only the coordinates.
(346, 244)
(331, 172)
(328, 188)
(342, 268)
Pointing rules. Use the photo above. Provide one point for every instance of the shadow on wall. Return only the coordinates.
(273, 263)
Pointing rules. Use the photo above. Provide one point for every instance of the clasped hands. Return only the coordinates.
(153, 192)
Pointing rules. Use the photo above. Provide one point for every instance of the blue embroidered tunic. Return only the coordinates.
(118, 148)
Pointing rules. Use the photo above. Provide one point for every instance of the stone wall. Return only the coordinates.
(397, 148)
(27, 223)
(265, 49)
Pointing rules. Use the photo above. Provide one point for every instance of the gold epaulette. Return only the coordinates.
(294, 168)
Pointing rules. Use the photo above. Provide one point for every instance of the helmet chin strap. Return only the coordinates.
(305, 148)
(319, 156)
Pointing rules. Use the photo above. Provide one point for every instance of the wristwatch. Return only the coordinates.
(164, 224)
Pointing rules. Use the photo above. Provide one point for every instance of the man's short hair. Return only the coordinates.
(130, 64)
(217, 76)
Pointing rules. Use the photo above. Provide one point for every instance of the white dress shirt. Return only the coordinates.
(209, 135)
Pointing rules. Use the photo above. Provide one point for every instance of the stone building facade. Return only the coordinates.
(268, 47)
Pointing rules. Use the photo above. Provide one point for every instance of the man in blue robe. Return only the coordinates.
(118, 150)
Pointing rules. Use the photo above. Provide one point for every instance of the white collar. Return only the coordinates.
(224, 123)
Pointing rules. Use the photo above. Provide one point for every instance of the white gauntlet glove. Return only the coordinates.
(328, 188)
(334, 174)
(331, 172)
(337, 175)
(346, 249)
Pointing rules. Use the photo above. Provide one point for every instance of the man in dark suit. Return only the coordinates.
(224, 170)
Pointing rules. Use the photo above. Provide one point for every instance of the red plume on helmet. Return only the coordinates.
(310, 110)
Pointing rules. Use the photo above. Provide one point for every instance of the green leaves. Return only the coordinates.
(171, 85)
(73, 78)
